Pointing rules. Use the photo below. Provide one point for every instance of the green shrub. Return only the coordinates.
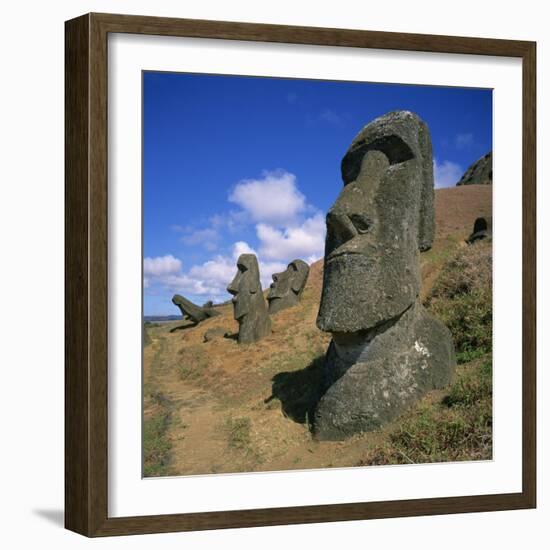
(473, 386)
(156, 446)
(457, 428)
(462, 298)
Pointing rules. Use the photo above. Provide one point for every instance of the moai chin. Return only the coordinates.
(249, 307)
(386, 350)
(288, 286)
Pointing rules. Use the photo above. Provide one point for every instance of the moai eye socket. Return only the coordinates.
(361, 222)
(339, 230)
(242, 268)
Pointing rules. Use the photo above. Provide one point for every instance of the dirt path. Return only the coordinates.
(195, 439)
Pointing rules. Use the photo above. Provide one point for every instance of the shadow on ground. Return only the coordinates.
(57, 517)
(299, 391)
(183, 327)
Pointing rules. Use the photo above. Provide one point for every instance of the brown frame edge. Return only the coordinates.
(86, 488)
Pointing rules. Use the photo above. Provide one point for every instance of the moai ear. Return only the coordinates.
(299, 279)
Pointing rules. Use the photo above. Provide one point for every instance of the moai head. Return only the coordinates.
(188, 309)
(245, 285)
(482, 230)
(287, 286)
(377, 226)
(249, 307)
(480, 225)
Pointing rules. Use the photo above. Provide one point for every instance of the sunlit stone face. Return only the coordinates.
(386, 350)
(371, 271)
(287, 286)
(249, 307)
(245, 285)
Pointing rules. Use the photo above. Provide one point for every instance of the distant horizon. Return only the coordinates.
(249, 164)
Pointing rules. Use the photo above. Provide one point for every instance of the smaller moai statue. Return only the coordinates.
(288, 286)
(249, 307)
(192, 311)
(482, 230)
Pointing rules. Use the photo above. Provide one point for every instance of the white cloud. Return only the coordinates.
(463, 141)
(276, 207)
(210, 279)
(266, 268)
(161, 265)
(232, 221)
(213, 276)
(241, 247)
(275, 198)
(446, 174)
(305, 241)
(205, 237)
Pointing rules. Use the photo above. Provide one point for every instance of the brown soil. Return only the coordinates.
(240, 408)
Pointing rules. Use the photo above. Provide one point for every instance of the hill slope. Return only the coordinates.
(224, 407)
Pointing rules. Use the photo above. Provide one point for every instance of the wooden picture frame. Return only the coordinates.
(86, 321)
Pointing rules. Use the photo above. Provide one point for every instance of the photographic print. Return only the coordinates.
(317, 274)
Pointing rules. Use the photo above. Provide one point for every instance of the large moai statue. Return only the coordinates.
(249, 307)
(288, 286)
(386, 350)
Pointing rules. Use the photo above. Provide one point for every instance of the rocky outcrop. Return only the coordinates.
(386, 350)
(480, 172)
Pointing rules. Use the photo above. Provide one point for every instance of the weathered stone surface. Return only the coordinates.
(249, 306)
(386, 350)
(214, 334)
(191, 311)
(483, 229)
(388, 373)
(480, 172)
(288, 286)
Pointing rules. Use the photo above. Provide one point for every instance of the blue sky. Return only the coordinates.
(237, 164)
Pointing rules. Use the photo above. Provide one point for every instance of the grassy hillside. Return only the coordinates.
(223, 407)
